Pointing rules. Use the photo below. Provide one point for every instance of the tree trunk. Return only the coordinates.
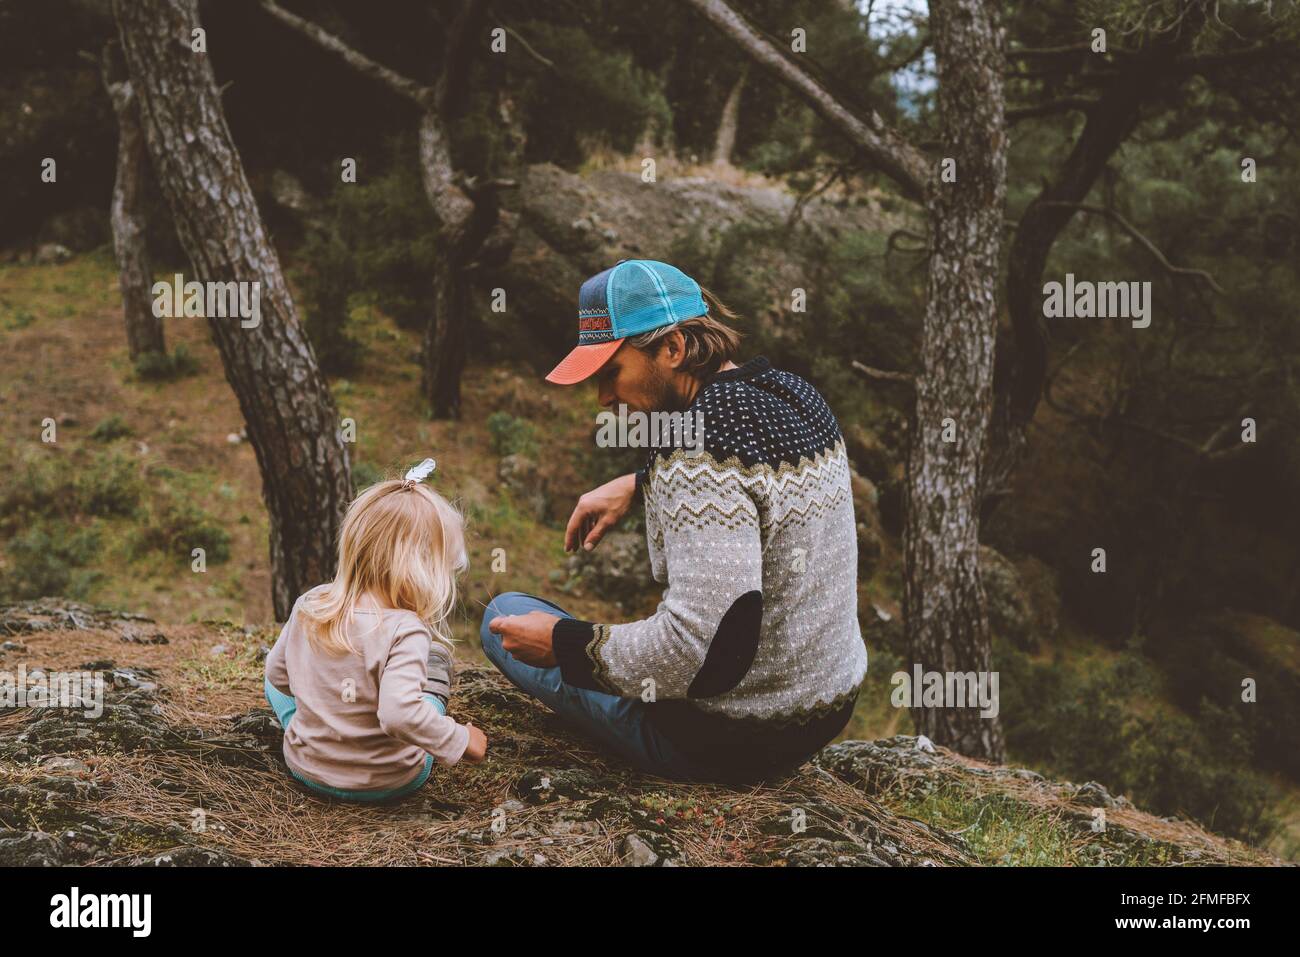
(1023, 368)
(725, 142)
(144, 330)
(944, 608)
(290, 415)
(443, 354)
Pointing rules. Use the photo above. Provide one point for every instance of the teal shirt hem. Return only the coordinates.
(285, 708)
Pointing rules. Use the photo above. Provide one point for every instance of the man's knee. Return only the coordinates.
(506, 603)
(500, 605)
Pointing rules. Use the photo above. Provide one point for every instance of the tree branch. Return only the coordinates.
(884, 375)
(524, 43)
(1147, 243)
(403, 86)
(885, 148)
(1063, 105)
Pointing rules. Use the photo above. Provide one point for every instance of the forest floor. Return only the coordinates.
(183, 767)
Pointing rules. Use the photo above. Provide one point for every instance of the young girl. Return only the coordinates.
(360, 672)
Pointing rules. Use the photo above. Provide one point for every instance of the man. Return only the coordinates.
(753, 660)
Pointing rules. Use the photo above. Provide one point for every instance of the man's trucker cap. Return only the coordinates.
(629, 298)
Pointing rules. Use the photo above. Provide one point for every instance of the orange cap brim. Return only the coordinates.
(582, 362)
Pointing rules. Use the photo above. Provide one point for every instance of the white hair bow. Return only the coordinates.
(420, 472)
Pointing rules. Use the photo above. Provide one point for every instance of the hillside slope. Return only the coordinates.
(142, 471)
(183, 767)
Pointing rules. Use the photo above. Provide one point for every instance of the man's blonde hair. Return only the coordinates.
(401, 542)
(710, 343)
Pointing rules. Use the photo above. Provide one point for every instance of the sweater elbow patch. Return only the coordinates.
(732, 650)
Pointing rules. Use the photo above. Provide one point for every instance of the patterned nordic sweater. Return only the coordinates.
(754, 657)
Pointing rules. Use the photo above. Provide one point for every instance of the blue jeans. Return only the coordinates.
(618, 724)
(285, 707)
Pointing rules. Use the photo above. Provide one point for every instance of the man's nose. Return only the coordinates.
(606, 397)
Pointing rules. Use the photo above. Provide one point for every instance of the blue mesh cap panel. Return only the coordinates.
(683, 293)
(645, 294)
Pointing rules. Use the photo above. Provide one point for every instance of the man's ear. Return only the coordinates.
(675, 349)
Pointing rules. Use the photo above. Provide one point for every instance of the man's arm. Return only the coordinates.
(702, 639)
(403, 711)
(598, 511)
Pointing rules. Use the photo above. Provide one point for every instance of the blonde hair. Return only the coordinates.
(403, 543)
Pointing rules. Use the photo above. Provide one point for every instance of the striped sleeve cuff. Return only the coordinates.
(572, 641)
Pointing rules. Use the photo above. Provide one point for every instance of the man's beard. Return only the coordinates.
(664, 395)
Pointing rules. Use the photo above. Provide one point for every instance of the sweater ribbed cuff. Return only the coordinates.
(570, 638)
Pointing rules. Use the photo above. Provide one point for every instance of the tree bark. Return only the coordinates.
(291, 418)
(724, 143)
(144, 330)
(944, 608)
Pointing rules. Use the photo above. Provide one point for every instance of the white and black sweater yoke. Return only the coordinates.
(755, 539)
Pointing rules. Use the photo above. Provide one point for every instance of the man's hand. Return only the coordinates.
(527, 637)
(477, 748)
(598, 511)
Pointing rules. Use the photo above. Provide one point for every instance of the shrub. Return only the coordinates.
(389, 250)
(161, 367)
(114, 427)
(365, 475)
(46, 560)
(511, 435)
(37, 485)
(1088, 726)
(111, 486)
(178, 526)
(326, 289)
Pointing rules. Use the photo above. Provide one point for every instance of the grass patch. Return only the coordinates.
(164, 366)
(176, 524)
(50, 558)
(114, 427)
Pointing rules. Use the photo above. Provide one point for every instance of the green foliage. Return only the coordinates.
(111, 486)
(383, 243)
(49, 559)
(19, 319)
(618, 98)
(165, 367)
(857, 309)
(176, 526)
(1099, 724)
(57, 516)
(326, 291)
(114, 427)
(35, 485)
(511, 435)
(364, 475)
